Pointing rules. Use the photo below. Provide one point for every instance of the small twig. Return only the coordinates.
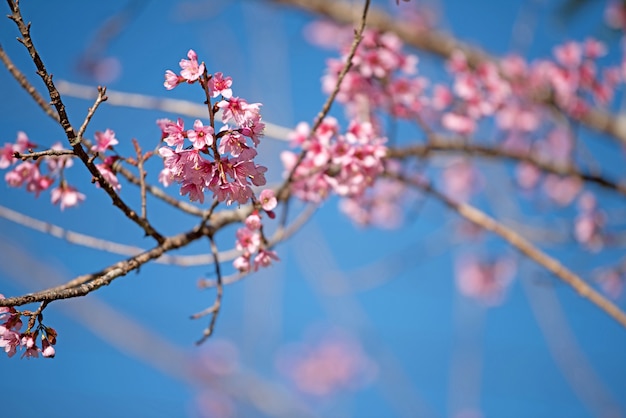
(215, 309)
(34, 315)
(92, 110)
(142, 178)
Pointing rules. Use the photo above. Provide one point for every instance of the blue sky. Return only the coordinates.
(544, 353)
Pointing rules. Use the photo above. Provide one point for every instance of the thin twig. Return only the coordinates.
(46, 153)
(215, 309)
(92, 110)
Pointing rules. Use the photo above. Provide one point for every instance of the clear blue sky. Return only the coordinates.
(436, 352)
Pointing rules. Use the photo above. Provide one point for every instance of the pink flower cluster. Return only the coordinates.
(11, 339)
(230, 170)
(344, 163)
(40, 174)
(589, 224)
(250, 241)
(379, 78)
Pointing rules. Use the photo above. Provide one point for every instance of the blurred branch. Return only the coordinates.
(142, 101)
(441, 144)
(484, 221)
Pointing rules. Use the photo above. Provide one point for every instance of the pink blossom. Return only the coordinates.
(248, 240)
(562, 190)
(201, 135)
(242, 263)
(109, 176)
(458, 123)
(220, 85)
(6, 156)
(28, 341)
(569, 54)
(47, 350)
(235, 144)
(191, 70)
(104, 141)
(238, 110)
(22, 143)
(268, 200)
(173, 132)
(330, 363)
(66, 195)
(10, 340)
(172, 80)
(56, 164)
(264, 258)
(484, 281)
(253, 221)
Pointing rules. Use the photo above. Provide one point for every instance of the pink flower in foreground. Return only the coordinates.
(268, 200)
(201, 135)
(220, 85)
(67, 196)
(191, 70)
(172, 80)
(104, 141)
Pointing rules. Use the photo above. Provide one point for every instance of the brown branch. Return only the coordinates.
(74, 141)
(46, 153)
(86, 284)
(484, 221)
(25, 84)
(444, 45)
(440, 144)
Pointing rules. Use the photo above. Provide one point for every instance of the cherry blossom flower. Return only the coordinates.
(66, 195)
(264, 258)
(104, 141)
(220, 85)
(268, 200)
(201, 136)
(191, 70)
(172, 80)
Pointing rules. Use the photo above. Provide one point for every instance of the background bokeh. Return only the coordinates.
(379, 306)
